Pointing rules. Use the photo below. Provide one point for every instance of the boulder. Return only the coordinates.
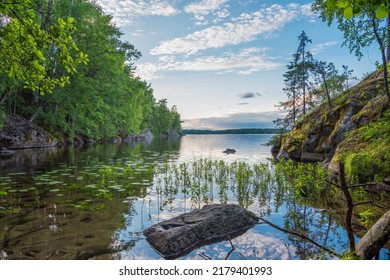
(19, 133)
(275, 150)
(146, 136)
(312, 157)
(213, 223)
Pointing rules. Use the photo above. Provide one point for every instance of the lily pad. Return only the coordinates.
(55, 182)
(17, 173)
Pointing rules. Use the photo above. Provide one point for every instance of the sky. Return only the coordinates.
(221, 62)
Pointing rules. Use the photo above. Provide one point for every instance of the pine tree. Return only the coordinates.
(304, 64)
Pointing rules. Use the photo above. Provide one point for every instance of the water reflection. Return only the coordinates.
(95, 201)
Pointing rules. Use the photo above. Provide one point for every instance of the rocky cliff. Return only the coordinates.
(328, 133)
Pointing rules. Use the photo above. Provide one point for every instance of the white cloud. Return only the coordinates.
(124, 11)
(235, 120)
(248, 60)
(245, 28)
(316, 49)
(204, 7)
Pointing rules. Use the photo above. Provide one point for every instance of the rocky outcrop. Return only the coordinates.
(318, 136)
(146, 136)
(171, 135)
(19, 133)
(181, 235)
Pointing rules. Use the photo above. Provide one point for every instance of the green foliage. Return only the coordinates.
(350, 256)
(367, 218)
(102, 99)
(372, 162)
(165, 120)
(305, 180)
(197, 180)
(351, 8)
(362, 167)
(32, 51)
(363, 25)
(297, 83)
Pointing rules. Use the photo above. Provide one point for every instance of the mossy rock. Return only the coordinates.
(372, 111)
(325, 129)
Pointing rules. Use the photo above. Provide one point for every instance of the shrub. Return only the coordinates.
(363, 167)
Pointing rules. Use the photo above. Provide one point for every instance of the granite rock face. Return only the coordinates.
(19, 133)
(323, 131)
(213, 223)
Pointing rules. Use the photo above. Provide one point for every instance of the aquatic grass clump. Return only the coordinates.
(204, 179)
(301, 179)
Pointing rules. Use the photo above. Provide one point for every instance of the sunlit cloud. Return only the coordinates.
(245, 28)
(251, 60)
(218, 9)
(237, 120)
(124, 11)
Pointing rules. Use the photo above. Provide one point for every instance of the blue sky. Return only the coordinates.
(222, 62)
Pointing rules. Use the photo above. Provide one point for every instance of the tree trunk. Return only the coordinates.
(371, 243)
(34, 115)
(3, 96)
(327, 92)
(294, 109)
(388, 38)
(304, 82)
(348, 215)
(384, 61)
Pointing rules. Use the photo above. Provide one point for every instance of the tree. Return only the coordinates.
(291, 88)
(33, 49)
(304, 64)
(176, 119)
(297, 83)
(325, 73)
(102, 99)
(351, 8)
(363, 24)
(347, 75)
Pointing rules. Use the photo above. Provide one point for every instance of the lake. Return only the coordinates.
(94, 201)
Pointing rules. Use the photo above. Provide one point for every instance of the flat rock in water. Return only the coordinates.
(213, 223)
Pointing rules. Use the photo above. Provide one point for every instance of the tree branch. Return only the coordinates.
(301, 236)
(368, 202)
(363, 185)
(329, 182)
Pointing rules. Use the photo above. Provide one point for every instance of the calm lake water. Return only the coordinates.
(93, 202)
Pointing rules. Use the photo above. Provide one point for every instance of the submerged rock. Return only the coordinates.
(213, 223)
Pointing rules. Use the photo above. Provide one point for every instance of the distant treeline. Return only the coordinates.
(234, 131)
